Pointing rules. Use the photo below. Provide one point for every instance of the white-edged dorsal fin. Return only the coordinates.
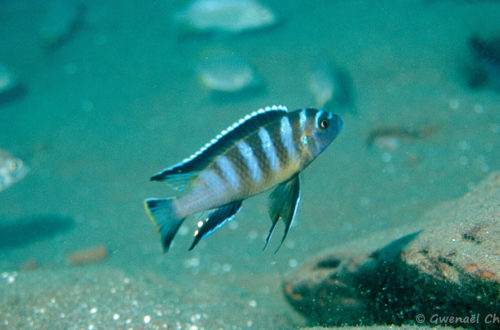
(198, 161)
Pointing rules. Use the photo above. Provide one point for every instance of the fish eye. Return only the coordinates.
(324, 123)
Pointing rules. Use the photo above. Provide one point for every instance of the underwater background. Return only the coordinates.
(118, 98)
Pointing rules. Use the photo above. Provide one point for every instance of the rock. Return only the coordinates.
(29, 265)
(88, 256)
(446, 274)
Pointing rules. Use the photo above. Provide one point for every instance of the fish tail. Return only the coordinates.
(162, 214)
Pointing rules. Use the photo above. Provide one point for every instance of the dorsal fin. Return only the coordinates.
(225, 139)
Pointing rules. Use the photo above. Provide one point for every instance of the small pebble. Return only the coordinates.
(365, 201)
(87, 105)
(11, 279)
(386, 157)
(183, 231)
(454, 104)
(252, 235)
(226, 268)
(88, 256)
(70, 68)
(29, 264)
(464, 145)
(192, 262)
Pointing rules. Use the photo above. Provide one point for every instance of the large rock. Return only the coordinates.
(448, 273)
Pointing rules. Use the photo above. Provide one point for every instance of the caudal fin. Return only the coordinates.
(162, 215)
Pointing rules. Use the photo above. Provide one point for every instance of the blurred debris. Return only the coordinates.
(231, 16)
(62, 20)
(227, 72)
(12, 169)
(332, 86)
(390, 138)
(88, 256)
(486, 67)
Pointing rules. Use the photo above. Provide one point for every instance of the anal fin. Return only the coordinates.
(215, 220)
(283, 203)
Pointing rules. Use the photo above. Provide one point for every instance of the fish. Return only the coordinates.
(12, 170)
(487, 56)
(227, 72)
(62, 20)
(332, 86)
(227, 16)
(267, 148)
(8, 80)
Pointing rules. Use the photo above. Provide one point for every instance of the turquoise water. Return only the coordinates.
(119, 100)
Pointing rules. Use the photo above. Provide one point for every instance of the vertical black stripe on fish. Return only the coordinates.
(279, 146)
(267, 138)
(249, 162)
(295, 122)
(225, 140)
(255, 143)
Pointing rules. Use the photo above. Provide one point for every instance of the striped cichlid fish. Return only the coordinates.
(266, 148)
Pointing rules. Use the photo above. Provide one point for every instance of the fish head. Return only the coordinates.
(321, 128)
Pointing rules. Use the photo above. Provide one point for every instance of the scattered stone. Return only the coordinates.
(30, 264)
(446, 274)
(89, 256)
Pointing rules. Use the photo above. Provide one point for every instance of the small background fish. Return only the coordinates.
(487, 62)
(225, 71)
(229, 16)
(12, 169)
(332, 86)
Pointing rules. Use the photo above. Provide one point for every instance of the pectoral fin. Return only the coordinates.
(215, 220)
(283, 203)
